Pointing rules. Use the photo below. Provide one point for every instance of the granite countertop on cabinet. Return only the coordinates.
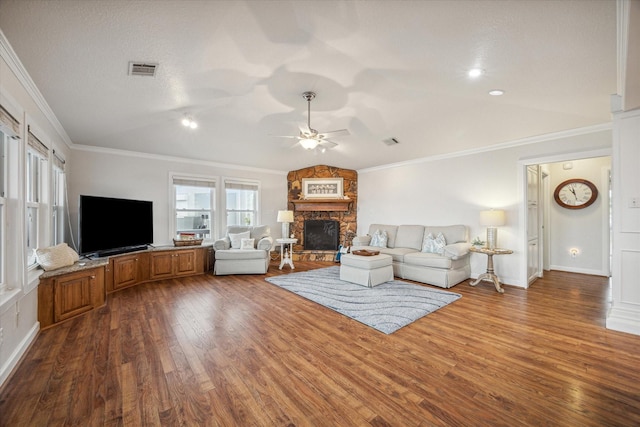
(78, 266)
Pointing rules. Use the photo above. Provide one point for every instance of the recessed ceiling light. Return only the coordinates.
(476, 72)
(496, 92)
(188, 121)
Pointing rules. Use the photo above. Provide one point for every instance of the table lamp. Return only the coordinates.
(285, 217)
(491, 219)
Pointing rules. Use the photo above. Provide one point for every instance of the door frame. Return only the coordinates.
(522, 180)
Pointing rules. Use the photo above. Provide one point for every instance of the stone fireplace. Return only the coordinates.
(341, 210)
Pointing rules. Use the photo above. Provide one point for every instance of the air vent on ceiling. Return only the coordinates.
(142, 69)
(391, 141)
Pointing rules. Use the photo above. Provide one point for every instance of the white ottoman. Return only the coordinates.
(366, 270)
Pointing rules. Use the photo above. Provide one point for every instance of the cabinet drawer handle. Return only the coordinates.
(93, 277)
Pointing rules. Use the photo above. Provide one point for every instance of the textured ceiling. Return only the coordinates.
(380, 69)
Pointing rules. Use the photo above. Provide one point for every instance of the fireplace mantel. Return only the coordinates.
(322, 205)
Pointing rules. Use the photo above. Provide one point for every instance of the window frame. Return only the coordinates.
(212, 183)
(256, 211)
(36, 198)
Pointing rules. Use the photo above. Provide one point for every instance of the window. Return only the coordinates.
(10, 237)
(37, 154)
(58, 201)
(242, 202)
(195, 201)
(3, 195)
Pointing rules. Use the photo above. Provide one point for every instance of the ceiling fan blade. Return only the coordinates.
(332, 133)
(328, 144)
(286, 136)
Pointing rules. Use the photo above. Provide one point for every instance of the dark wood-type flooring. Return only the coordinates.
(237, 351)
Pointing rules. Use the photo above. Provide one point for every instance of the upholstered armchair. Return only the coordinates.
(243, 250)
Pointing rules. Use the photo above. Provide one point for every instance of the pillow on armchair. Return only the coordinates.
(247, 244)
(236, 239)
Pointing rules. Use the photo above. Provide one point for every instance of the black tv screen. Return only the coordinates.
(109, 225)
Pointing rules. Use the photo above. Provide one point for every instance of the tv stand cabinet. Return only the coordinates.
(71, 291)
(156, 264)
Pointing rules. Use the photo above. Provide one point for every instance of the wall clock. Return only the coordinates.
(575, 193)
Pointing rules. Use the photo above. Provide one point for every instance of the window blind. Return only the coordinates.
(34, 143)
(9, 122)
(237, 185)
(58, 161)
(193, 182)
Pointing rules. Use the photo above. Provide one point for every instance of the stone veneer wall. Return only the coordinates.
(347, 220)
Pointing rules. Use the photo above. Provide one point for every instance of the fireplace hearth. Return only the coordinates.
(321, 235)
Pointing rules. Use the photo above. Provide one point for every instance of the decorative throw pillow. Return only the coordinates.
(55, 256)
(247, 244)
(236, 239)
(379, 239)
(434, 245)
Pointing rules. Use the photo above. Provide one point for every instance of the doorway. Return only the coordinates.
(556, 238)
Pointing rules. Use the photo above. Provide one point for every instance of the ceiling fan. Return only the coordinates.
(310, 138)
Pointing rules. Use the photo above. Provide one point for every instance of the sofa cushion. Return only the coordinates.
(237, 254)
(423, 259)
(379, 239)
(236, 239)
(452, 233)
(409, 236)
(391, 230)
(397, 254)
(434, 245)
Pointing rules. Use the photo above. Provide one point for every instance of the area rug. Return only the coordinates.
(386, 307)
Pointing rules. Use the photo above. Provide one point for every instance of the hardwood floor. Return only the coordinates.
(237, 351)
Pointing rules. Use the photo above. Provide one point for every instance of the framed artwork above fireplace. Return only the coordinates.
(322, 188)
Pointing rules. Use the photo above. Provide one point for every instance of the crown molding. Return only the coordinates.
(127, 153)
(9, 55)
(510, 144)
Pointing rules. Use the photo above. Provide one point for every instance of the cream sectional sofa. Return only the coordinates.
(404, 244)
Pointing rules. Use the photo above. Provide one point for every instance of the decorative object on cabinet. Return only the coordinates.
(491, 219)
(575, 193)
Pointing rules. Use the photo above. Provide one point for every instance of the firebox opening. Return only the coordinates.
(321, 235)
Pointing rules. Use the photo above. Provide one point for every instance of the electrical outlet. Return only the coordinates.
(634, 202)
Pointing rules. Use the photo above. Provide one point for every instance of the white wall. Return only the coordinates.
(625, 311)
(583, 229)
(127, 175)
(18, 305)
(453, 190)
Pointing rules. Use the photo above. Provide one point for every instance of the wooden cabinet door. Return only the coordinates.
(125, 271)
(73, 294)
(185, 262)
(162, 265)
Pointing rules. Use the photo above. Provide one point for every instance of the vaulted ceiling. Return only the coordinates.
(381, 69)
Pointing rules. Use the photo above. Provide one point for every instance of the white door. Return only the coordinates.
(533, 223)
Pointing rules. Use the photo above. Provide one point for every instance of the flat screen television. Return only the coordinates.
(109, 225)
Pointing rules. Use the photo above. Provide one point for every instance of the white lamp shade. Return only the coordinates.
(309, 144)
(492, 218)
(285, 216)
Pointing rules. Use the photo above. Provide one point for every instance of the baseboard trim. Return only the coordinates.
(14, 359)
(578, 270)
(624, 320)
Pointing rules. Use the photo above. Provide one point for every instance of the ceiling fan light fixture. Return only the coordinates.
(309, 144)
